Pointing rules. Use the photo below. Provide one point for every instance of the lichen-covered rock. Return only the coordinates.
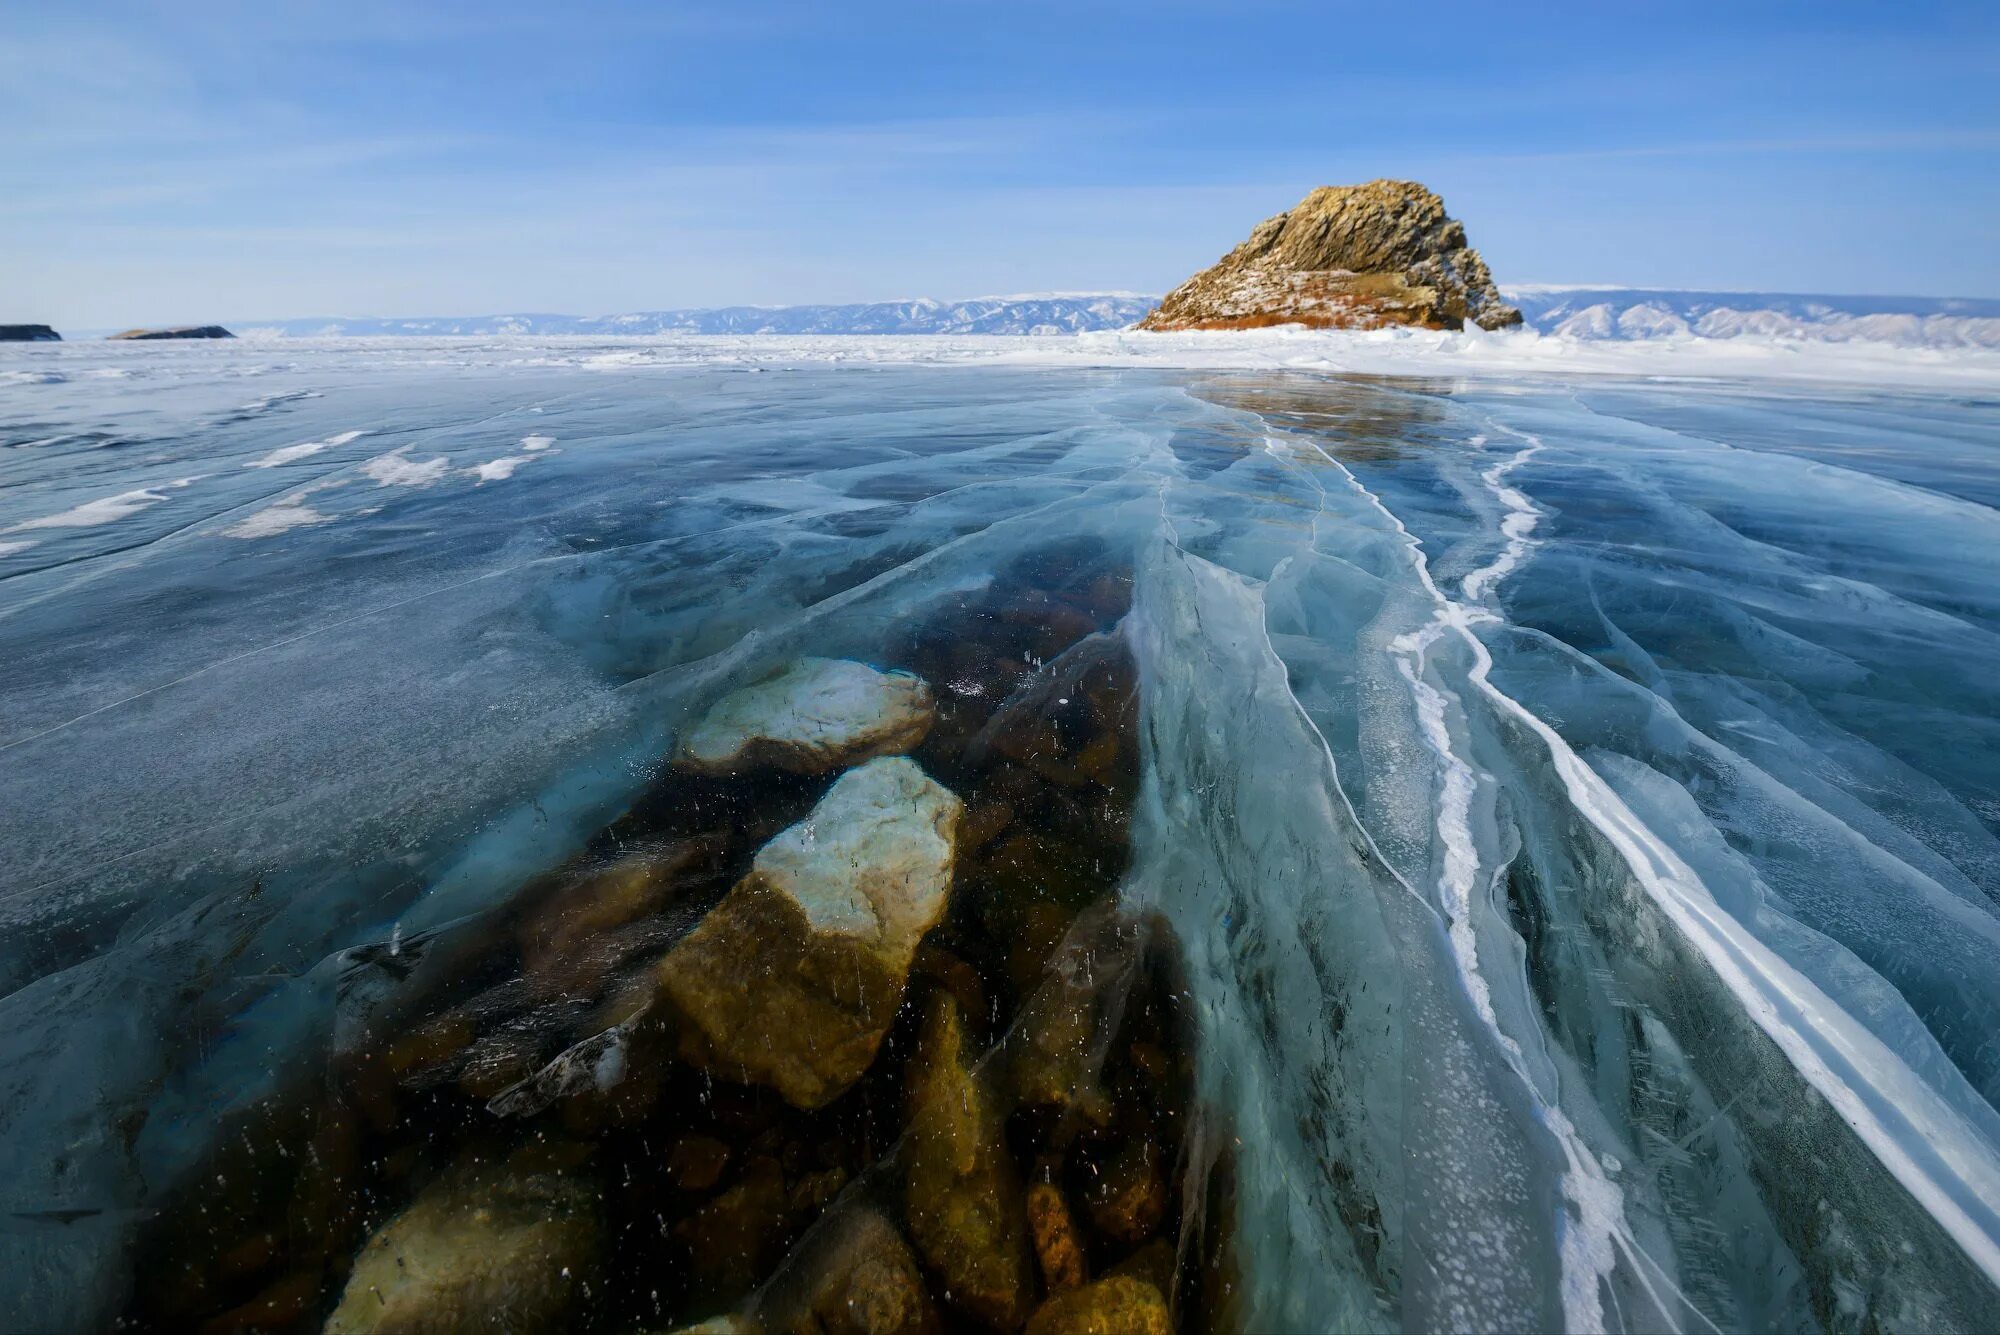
(864, 1281)
(1127, 1199)
(486, 1246)
(735, 1238)
(1057, 1248)
(1056, 1051)
(1120, 1305)
(961, 1197)
(816, 715)
(1345, 257)
(558, 936)
(793, 979)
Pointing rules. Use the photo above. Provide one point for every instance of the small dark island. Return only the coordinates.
(181, 331)
(28, 333)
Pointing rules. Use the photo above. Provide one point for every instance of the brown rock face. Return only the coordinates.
(1346, 257)
(735, 1237)
(1057, 1248)
(867, 1283)
(1121, 1305)
(962, 1198)
(1128, 1198)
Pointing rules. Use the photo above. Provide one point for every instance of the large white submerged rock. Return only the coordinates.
(816, 715)
(793, 979)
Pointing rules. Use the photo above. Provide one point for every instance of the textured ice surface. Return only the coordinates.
(1577, 798)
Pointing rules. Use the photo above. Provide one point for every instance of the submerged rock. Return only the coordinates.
(508, 1245)
(597, 1063)
(734, 1239)
(793, 979)
(1057, 1049)
(281, 1305)
(1154, 1262)
(1345, 257)
(961, 1196)
(561, 938)
(696, 1162)
(729, 1323)
(863, 1280)
(1120, 1305)
(1127, 1199)
(1057, 1248)
(816, 715)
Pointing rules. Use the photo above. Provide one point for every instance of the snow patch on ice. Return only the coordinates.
(499, 470)
(283, 515)
(306, 449)
(9, 548)
(273, 400)
(397, 469)
(537, 442)
(275, 519)
(105, 510)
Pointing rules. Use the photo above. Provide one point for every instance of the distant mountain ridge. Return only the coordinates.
(1040, 313)
(1587, 313)
(1598, 313)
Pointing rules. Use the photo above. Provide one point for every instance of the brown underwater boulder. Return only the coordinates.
(507, 1245)
(865, 1282)
(960, 1193)
(793, 979)
(1120, 1305)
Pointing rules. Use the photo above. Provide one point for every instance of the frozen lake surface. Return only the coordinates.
(1575, 800)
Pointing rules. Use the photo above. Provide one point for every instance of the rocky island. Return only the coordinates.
(28, 333)
(1345, 257)
(179, 331)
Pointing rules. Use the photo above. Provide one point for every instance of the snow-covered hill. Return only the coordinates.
(1643, 313)
(1039, 313)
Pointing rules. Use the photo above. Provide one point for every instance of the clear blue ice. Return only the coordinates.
(1579, 803)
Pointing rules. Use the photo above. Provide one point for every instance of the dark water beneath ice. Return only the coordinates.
(1573, 807)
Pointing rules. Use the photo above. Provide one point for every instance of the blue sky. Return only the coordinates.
(205, 159)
